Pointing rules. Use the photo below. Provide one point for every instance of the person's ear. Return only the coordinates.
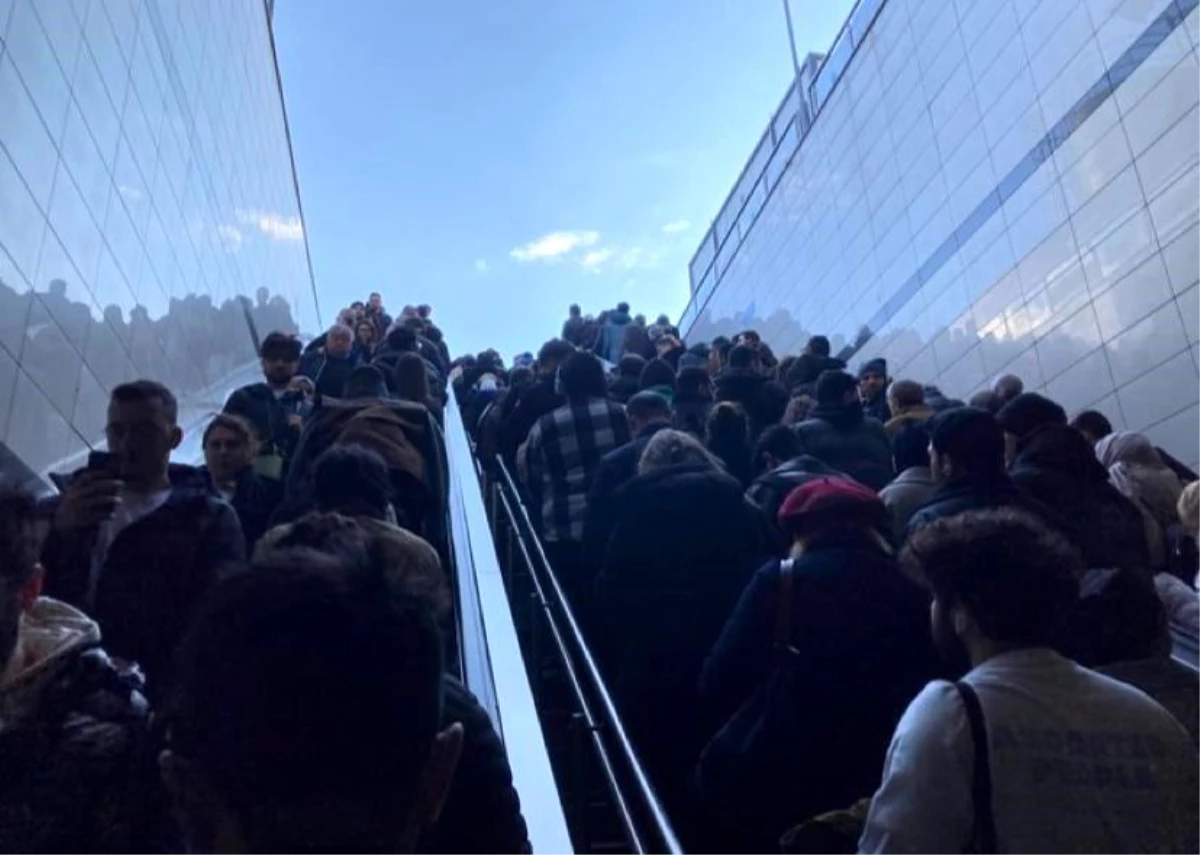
(962, 622)
(438, 774)
(32, 589)
(176, 436)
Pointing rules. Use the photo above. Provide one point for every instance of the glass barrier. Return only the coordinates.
(493, 667)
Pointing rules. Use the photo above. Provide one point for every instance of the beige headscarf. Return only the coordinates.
(1138, 472)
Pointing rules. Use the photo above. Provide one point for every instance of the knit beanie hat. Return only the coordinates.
(833, 386)
(873, 366)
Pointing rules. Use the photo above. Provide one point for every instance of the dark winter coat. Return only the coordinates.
(622, 389)
(572, 331)
(254, 500)
(685, 544)
(536, 400)
(1058, 467)
(691, 414)
(770, 489)
(861, 630)
(611, 340)
(617, 468)
(78, 775)
(763, 399)
(878, 409)
(977, 493)
(268, 415)
(155, 573)
(329, 374)
(843, 439)
(482, 812)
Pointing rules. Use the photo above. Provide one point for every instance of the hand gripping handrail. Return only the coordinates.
(645, 792)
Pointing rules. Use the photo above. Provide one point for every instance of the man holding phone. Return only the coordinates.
(136, 541)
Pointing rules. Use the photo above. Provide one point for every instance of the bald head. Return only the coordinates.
(1008, 387)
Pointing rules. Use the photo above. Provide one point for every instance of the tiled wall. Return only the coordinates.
(145, 186)
(998, 186)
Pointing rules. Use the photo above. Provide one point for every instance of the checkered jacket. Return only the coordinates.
(562, 455)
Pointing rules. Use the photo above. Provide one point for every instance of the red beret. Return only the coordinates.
(831, 499)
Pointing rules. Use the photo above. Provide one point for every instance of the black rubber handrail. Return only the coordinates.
(524, 531)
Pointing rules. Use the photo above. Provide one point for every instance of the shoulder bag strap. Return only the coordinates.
(783, 609)
(984, 833)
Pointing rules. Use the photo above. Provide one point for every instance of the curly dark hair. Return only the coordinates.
(1018, 578)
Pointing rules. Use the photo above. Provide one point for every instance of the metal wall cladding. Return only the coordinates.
(997, 186)
(147, 205)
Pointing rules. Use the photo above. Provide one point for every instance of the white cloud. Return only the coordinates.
(554, 245)
(595, 259)
(676, 226)
(639, 258)
(481, 265)
(231, 236)
(272, 225)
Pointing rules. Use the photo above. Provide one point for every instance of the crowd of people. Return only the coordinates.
(843, 611)
(256, 654)
(834, 611)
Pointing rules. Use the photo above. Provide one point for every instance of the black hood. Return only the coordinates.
(1060, 448)
(737, 385)
(841, 416)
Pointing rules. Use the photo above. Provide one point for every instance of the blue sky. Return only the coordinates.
(501, 159)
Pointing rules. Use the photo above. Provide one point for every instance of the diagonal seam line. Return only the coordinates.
(1126, 64)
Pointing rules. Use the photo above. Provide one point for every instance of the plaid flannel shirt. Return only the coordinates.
(562, 455)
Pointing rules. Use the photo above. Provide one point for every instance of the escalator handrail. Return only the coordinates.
(492, 662)
(641, 780)
(590, 723)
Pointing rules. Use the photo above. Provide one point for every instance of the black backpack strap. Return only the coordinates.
(983, 836)
(783, 608)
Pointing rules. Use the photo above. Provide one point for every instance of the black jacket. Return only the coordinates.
(861, 629)
(1058, 467)
(763, 399)
(254, 500)
(617, 468)
(977, 493)
(843, 439)
(691, 414)
(770, 489)
(78, 775)
(536, 400)
(267, 414)
(622, 389)
(482, 812)
(155, 573)
(878, 409)
(685, 544)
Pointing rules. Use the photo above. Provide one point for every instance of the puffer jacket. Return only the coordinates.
(154, 574)
(841, 437)
(73, 742)
(1059, 468)
(770, 489)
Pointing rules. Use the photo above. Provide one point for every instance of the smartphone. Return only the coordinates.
(104, 461)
